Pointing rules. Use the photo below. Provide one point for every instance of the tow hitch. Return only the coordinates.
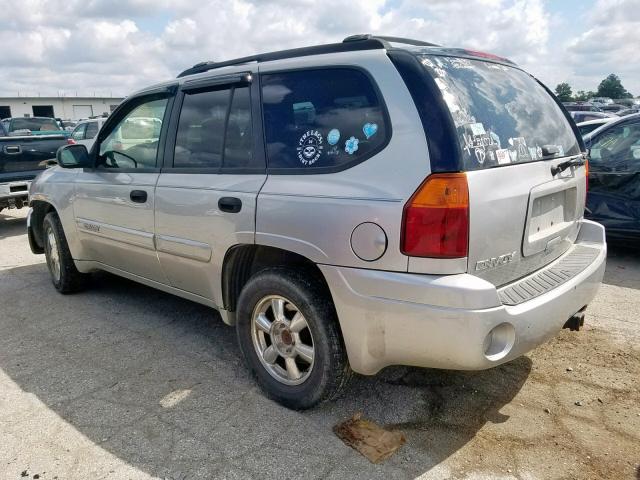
(576, 321)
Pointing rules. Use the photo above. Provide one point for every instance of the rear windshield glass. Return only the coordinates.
(501, 114)
(34, 124)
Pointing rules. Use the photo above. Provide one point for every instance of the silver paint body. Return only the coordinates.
(392, 310)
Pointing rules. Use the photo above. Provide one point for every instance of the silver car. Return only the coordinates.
(374, 202)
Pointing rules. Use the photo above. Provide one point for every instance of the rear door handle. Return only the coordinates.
(230, 204)
(138, 196)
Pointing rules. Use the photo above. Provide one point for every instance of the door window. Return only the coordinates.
(214, 131)
(92, 130)
(133, 143)
(617, 149)
(322, 119)
(78, 133)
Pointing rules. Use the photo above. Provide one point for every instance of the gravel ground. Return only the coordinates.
(125, 382)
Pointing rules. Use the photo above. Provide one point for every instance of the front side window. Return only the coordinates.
(214, 131)
(322, 119)
(502, 115)
(133, 143)
(78, 132)
(617, 150)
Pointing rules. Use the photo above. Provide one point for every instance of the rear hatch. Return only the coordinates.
(523, 213)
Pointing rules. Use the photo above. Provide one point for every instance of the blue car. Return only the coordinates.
(614, 177)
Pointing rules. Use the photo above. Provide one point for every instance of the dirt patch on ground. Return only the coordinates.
(575, 415)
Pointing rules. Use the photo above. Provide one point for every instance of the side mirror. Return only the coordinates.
(73, 156)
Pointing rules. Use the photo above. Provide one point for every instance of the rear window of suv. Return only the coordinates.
(322, 120)
(502, 115)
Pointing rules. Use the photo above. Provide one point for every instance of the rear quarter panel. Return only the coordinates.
(314, 215)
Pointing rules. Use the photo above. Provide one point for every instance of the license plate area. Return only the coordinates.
(551, 217)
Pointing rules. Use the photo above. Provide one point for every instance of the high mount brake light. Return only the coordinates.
(436, 218)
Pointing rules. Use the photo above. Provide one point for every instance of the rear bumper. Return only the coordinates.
(452, 321)
(14, 194)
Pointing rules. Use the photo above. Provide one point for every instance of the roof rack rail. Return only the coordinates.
(387, 40)
(351, 46)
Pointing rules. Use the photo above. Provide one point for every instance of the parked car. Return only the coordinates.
(628, 111)
(591, 125)
(22, 157)
(349, 206)
(86, 132)
(580, 117)
(614, 177)
(33, 126)
(612, 108)
(601, 100)
(582, 107)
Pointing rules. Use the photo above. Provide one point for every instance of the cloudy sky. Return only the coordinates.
(116, 46)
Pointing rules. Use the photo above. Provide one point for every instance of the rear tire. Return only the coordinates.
(64, 274)
(289, 336)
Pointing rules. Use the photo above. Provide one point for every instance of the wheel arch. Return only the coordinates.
(39, 210)
(241, 262)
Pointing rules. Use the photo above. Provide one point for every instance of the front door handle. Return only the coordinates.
(230, 204)
(138, 196)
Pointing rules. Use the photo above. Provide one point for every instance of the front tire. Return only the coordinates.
(289, 336)
(64, 274)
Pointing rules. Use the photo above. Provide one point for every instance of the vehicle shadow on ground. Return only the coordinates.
(158, 382)
(623, 266)
(12, 226)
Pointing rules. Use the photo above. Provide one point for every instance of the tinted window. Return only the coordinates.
(78, 133)
(584, 129)
(321, 119)
(502, 115)
(133, 143)
(617, 149)
(92, 130)
(201, 141)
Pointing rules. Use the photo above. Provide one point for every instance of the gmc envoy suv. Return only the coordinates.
(379, 201)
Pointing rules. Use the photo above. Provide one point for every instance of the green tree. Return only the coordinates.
(563, 91)
(612, 87)
(582, 96)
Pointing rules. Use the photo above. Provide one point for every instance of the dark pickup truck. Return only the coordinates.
(22, 156)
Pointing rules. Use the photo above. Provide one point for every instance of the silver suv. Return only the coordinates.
(379, 201)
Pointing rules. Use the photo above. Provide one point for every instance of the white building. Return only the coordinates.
(67, 108)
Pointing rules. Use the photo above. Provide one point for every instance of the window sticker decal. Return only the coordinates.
(560, 151)
(503, 156)
(477, 129)
(636, 153)
(369, 129)
(333, 136)
(519, 147)
(310, 147)
(351, 145)
(333, 150)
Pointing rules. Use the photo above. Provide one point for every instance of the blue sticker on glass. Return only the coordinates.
(369, 129)
(351, 145)
(333, 137)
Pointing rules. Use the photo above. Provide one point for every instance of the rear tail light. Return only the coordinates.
(586, 175)
(435, 221)
(71, 141)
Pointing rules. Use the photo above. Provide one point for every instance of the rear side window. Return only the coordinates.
(92, 130)
(502, 115)
(322, 120)
(214, 131)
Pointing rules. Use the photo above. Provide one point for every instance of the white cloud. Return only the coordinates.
(121, 45)
(608, 45)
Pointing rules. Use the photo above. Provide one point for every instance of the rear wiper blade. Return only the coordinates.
(561, 167)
